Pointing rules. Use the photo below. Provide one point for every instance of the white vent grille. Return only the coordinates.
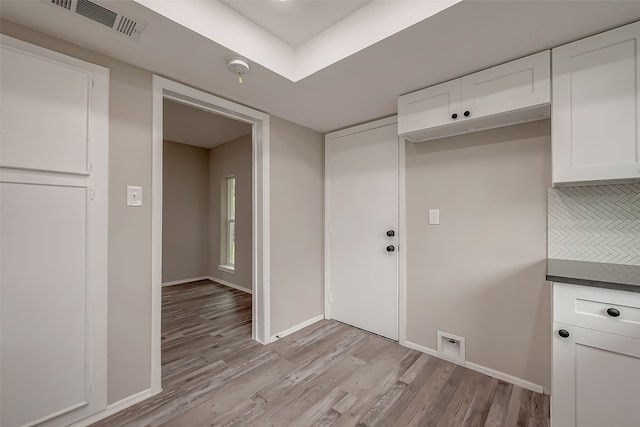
(62, 3)
(111, 17)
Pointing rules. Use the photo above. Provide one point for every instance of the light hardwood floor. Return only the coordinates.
(326, 374)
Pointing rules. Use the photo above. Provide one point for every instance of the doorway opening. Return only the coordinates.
(222, 256)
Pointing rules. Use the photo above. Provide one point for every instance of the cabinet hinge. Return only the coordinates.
(92, 193)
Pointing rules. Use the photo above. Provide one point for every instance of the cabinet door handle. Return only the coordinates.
(467, 113)
(391, 248)
(613, 312)
(454, 116)
(563, 333)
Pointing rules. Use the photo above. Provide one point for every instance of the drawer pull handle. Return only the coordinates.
(563, 333)
(613, 312)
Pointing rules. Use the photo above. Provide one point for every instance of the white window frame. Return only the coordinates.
(228, 217)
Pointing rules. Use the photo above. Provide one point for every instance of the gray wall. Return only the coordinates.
(232, 158)
(129, 293)
(480, 274)
(595, 223)
(185, 212)
(297, 224)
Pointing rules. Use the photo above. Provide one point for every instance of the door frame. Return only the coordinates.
(401, 218)
(260, 228)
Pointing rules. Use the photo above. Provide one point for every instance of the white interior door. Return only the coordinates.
(53, 246)
(363, 208)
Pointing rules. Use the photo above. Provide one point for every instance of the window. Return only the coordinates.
(228, 232)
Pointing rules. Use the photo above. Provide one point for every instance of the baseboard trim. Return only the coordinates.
(297, 327)
(479, 368)
(229, 284)
(116, 407)
(183, 281)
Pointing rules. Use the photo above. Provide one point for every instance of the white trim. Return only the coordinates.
(227, 269)
(297, 327)
(327, 214)
(229, 284)
(362, 128)
(167, 89)
(114, 408)
(402, 242)
(180, 282)
(327, 226)
(482, 369)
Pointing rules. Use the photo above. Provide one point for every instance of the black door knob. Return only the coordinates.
(563, 333)
(391, 248)
(613, 312)
(467, 113)
(454, 116)
(391, 233)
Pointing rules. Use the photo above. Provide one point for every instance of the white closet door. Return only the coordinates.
(53, 245)
(363, 208)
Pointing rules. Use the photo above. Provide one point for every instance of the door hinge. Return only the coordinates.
(93, 83)
(90, 390)
(92, 193)
(90, 167)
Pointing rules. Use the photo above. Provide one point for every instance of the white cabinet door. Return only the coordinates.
(518, 84)
(53, 247)
(595, 380)
(362, 172)
(596, 109)
(431, 107)
(515, 92)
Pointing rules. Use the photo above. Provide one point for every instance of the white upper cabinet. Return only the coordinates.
(595, 108)
(515, 92)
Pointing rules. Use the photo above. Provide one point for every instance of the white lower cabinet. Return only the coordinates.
(596, 374)
(596, 379)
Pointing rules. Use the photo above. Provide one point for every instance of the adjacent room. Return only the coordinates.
(206, 240)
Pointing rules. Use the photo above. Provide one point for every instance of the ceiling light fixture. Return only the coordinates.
(238, 66)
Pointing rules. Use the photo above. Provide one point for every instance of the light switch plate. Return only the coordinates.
(134, 196)
(434, 216)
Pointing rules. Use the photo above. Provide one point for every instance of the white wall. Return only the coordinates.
(480, 274)
(185, 212)
(297, 224)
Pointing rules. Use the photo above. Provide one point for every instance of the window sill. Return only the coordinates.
(227, 268)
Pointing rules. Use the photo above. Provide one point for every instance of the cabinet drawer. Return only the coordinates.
(596, 308)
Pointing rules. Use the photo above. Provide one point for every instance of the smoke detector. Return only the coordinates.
(238, 66)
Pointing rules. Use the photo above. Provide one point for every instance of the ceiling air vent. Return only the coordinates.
(111, 17)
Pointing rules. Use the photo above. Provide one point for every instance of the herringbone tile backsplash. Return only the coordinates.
(598, 223)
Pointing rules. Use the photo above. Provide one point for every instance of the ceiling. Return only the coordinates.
(466, 37)
(188, 125)
(295, 22)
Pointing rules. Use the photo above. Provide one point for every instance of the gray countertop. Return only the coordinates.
(602, 275)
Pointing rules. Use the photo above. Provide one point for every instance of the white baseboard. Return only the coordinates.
(297, 327)
(482, 369)
(116, 407)
(180, 282)
(229, 284)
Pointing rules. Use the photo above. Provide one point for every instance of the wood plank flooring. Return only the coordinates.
(328, 374)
